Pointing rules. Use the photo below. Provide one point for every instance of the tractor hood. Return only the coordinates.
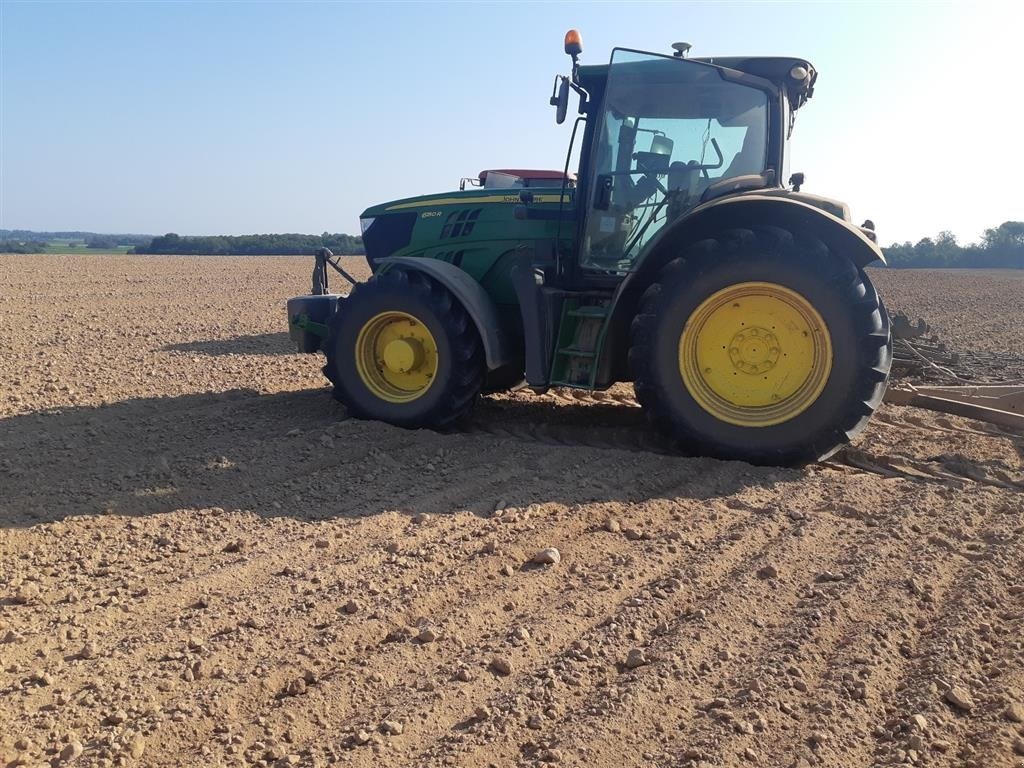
(388, 227)
(475, 196)
(449, 216)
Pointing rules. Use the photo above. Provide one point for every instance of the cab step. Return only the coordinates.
(580, 336)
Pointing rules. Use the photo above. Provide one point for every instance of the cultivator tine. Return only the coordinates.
(987, 385)
(921, 357)
(1002, 405)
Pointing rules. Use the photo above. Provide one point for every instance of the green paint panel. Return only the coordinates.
(479, 230)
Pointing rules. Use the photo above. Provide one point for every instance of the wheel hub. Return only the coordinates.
(755, 354)
(396, 356)
(403, 355)
(754, 350)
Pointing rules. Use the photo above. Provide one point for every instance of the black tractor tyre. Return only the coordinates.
(837, 289)
(461, 367)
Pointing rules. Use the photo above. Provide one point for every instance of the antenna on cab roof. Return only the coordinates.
(681, 49)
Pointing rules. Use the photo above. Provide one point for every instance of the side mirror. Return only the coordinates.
(560, 99)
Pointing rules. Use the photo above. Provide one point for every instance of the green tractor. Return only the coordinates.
(674, 258)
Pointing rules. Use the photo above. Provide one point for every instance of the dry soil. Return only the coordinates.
(204, 562)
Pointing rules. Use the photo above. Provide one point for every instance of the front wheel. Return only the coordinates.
(769, 355)
(401, 349)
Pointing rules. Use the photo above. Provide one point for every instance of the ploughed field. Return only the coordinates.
(204, 562)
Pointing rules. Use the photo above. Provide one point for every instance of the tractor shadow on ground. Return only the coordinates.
(297, 454)
(258, 344)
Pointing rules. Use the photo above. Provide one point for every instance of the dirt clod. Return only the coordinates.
(88, 651)
(767, 572)
(117, 717)
(549, 556)
(960, 698)
(635, 658)
(71, 751)
(27, 593)
(427, 635)
(136, 747)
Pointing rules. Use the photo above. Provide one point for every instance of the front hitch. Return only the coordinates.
(324, 257)
(308, 316)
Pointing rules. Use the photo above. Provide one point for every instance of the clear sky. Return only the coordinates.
(232, 117)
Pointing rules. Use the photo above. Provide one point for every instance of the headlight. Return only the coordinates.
(364, 224)
(799, 73)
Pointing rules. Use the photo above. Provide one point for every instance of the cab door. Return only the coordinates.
(668, 129)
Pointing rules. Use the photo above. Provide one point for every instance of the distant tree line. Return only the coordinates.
(1000, 247)
(253, 245)
(21, 246)
(91, 239)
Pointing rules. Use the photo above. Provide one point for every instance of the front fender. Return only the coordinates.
(470, 294)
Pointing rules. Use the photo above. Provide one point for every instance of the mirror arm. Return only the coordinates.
(553, 101)
(582, 92)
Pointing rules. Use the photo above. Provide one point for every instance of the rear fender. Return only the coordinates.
(743, 211)
(470, 294)
(753, 210)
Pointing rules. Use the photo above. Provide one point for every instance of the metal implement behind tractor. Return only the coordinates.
(674, 258)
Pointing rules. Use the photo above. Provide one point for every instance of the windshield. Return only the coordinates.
(669, 129)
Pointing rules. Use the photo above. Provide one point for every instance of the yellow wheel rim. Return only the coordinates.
(755, 354)
(396, 357)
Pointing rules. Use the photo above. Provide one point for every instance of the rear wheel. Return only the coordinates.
(756, 347)
(402, 349)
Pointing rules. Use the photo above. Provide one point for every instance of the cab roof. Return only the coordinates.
(776, 69)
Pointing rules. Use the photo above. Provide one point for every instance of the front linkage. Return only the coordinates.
(308, 315)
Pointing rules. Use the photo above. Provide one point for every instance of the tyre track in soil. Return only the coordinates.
(960, 647)
(235, 576)
(736, 578)
(835, 691)
(559, 626)
(468, 598)
(555, 623)
(780, 651)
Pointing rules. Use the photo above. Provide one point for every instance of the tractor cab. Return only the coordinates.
(671, 134)
(665, 134)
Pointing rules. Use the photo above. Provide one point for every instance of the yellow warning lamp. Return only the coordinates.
(573, 43)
